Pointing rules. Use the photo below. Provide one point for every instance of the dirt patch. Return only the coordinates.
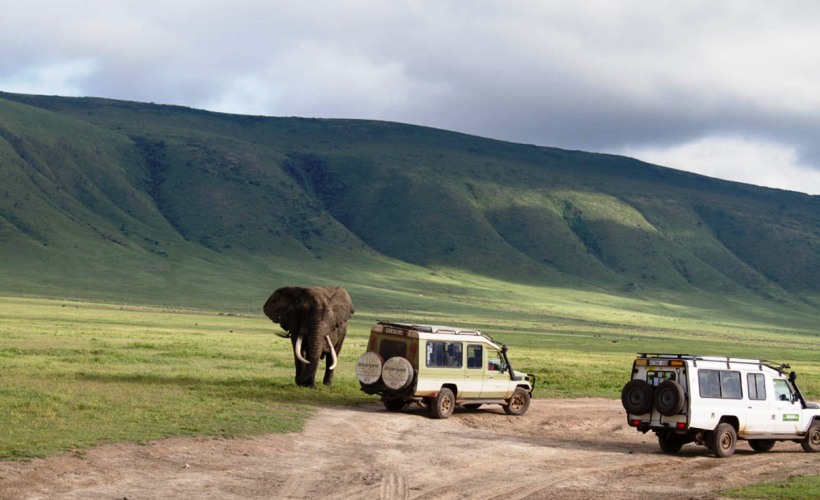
(559, 449)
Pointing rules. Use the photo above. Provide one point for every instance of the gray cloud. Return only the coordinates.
(636, 77)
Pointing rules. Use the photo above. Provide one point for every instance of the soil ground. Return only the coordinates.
(560, 449)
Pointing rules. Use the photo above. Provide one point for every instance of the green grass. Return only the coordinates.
(183, 202)
(77, 374)
(796, 488)
(577, 261)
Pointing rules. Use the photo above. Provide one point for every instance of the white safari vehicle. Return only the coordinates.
(714, 401)
(440, 367)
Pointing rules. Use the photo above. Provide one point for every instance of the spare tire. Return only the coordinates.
(669, 398)
(369, 368)
(397, 373)
(636, 397)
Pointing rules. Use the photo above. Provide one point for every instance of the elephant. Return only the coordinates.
(315, 319)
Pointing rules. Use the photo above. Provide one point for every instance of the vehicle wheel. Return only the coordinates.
(444, 403)
(636, 397)
(519, 402)
(811, 442)
(397, 373)
(472, 406)
(762, 445)
(722, 442)
(394, 404)
(369, 368)
(670, 442)
(669, 398)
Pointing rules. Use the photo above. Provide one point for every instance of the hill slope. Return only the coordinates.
(128, 200)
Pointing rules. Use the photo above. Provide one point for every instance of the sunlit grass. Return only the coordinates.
(78, 374)
(796, 488)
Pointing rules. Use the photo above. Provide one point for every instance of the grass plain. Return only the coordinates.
(78, 374)
(796, 488)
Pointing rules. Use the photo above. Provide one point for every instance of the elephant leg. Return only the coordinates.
(310, 375)
(300, 372)
(328, 380)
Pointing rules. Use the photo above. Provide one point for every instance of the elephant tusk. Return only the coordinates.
(332, 352)
(297, 350)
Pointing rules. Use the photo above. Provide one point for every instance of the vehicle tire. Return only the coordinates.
(472, 406)
(519, 402)
(669, 398)
(636, 397)
(397, 373)
(761, 445)
(394, 404)
(369, 368)
(811, 442)
(444, 403)
(723, 440)
(670, 442)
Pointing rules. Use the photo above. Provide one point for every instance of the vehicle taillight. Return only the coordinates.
(681, 425)
(635, 423)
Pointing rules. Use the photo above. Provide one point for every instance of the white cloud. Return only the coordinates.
(737, 159)
(594, 75)
(325, 81)
(59, 78)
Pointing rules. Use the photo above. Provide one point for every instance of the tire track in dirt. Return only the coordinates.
(559, 449)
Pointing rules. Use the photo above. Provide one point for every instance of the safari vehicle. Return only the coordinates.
(714, 401)
(439, 367)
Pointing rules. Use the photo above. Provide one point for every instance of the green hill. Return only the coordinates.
(124, 201)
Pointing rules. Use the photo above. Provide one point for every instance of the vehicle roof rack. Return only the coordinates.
(444, 330)
(779, 367)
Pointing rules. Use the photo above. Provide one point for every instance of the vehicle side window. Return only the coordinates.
(756, 383)
(722, 384)
(730, 385)
(782, 392)
(475, 356)
(444, 354)
(390, 348)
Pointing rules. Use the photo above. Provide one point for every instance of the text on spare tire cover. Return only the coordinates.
(397, 373)
(369, 368)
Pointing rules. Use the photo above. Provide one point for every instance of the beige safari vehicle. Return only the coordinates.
(715, 401)
(439, 367)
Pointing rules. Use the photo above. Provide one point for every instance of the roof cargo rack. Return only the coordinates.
(444, 330)
(780, 367)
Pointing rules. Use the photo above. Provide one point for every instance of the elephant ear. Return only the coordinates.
(282, 304)
(342, 305)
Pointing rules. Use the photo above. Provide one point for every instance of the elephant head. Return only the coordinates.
(315, 319)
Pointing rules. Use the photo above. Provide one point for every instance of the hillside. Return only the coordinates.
(164, 204)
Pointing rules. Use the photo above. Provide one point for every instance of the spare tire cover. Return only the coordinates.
(397, 373)
(636, 397)
(369, 368)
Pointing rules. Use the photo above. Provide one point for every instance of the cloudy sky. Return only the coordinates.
(729, 89)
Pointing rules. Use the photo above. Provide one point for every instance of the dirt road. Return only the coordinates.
(559, 449)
